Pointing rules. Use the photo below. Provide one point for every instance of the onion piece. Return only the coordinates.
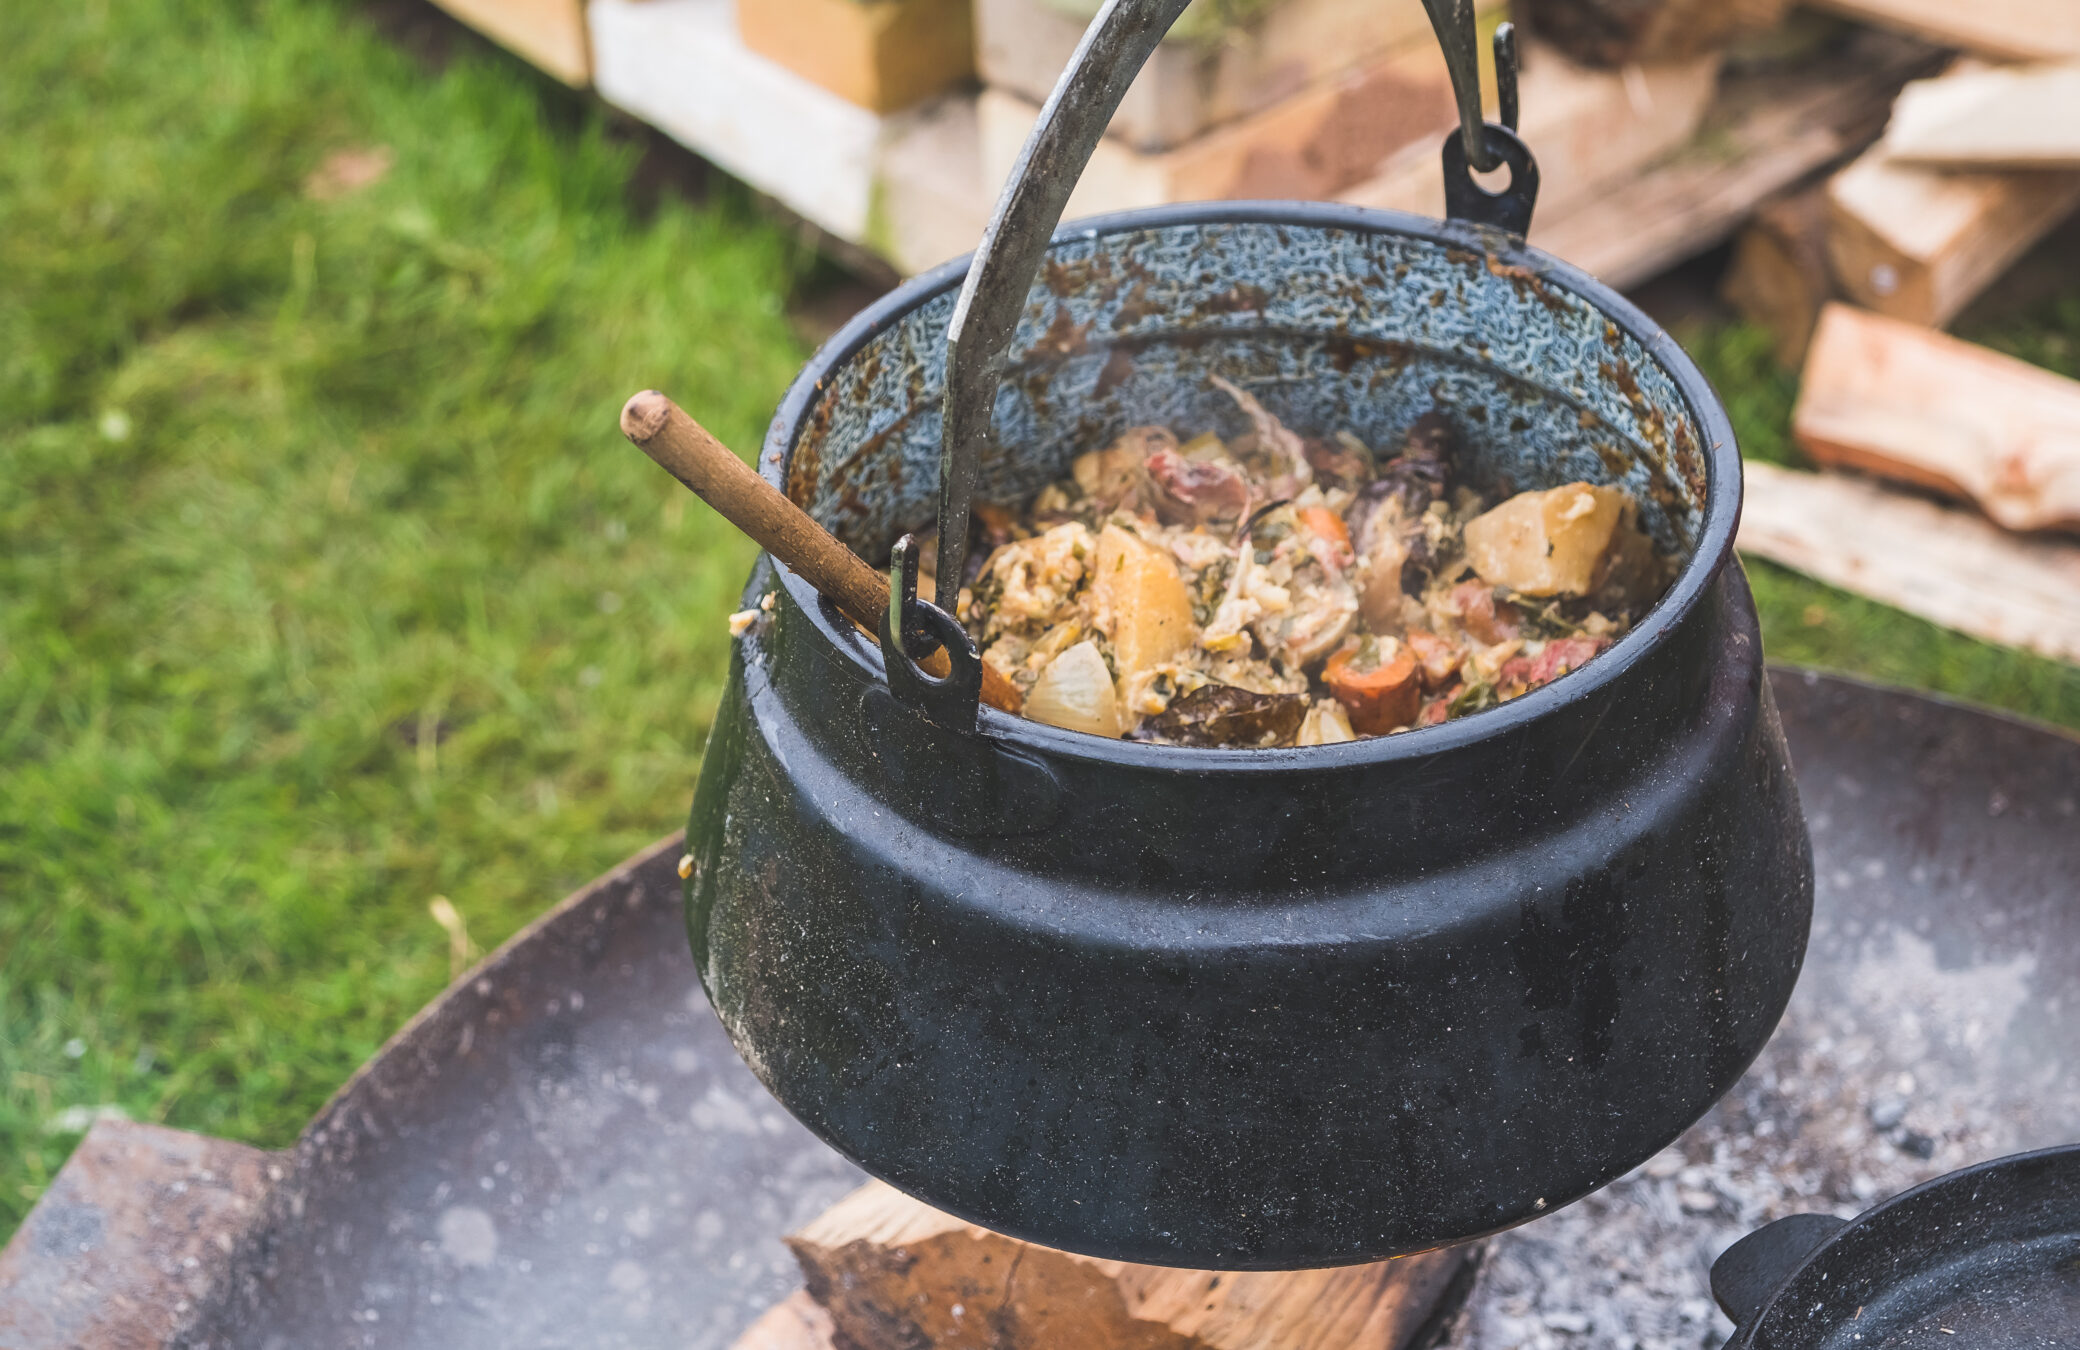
(1075, 692)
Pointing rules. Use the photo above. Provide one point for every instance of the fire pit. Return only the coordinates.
(564, 1151)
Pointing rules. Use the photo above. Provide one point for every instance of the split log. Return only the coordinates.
(1765, 132)
(1919, 244)
(1194, 83)
(1588, 128)
(882, 55)
(2014, 30)
(1992, 118)
(895, 1273)
(1306, 148)
(1921, 407)
(1778, 277)
(1612, 33)
(1946, 565)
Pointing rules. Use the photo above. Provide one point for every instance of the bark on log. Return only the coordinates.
(895, 1274)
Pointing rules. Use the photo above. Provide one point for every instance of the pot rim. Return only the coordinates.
(1713, 549)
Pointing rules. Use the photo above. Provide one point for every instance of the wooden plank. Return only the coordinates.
(549, 33)
(1998, 118)
(1195, 82)
(1588, 128)
(2017, 30)
(1907, 403)
(1919, 244)
(1307, 147)
(1613, 33)
(894, 1273)
(881, 54)
(1764, 134)
(1778, 278)
(1946, 565)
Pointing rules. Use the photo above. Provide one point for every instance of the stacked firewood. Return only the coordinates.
(1853, 275)
(1319, 100)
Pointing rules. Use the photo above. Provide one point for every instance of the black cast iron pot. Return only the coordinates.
(1248, 1009)
(1989, 1254)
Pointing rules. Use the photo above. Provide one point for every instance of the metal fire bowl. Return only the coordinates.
(564, 1151)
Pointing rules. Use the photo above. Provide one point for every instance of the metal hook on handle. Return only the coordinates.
(1506, 73)
(1115, 47)
(912, 626)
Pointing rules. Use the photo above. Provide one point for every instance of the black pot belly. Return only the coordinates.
(1262, 1017)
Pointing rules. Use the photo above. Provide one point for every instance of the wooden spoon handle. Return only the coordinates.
(663, 431)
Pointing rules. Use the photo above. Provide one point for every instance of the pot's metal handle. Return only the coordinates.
(1459, 35)
(1114, 48)
(1750, 1271)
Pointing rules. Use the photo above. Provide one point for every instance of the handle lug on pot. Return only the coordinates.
(1465, 199)
(1748, 1272)
(911, 627)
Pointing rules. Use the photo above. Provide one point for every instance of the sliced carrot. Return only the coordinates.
(1326, 523)
(1380, 699)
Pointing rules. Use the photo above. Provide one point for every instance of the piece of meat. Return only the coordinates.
(1189, 492)
(1560, 656)
(1342, 461)
(1290, 470)
(1381, 546)
(1487, 619)
(1114, 477)
(1416, 477)
(1438, 659)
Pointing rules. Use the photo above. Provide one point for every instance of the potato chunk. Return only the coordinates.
(1140, 602)
(1556, 542)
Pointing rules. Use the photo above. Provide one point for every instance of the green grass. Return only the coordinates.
(328, 587)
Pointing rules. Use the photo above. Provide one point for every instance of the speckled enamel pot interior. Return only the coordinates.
(1257, 1008)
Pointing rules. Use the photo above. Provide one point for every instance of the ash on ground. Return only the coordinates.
(1907, 1052)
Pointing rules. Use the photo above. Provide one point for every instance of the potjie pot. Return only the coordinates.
(1989, 1254)
(1246, 1008)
